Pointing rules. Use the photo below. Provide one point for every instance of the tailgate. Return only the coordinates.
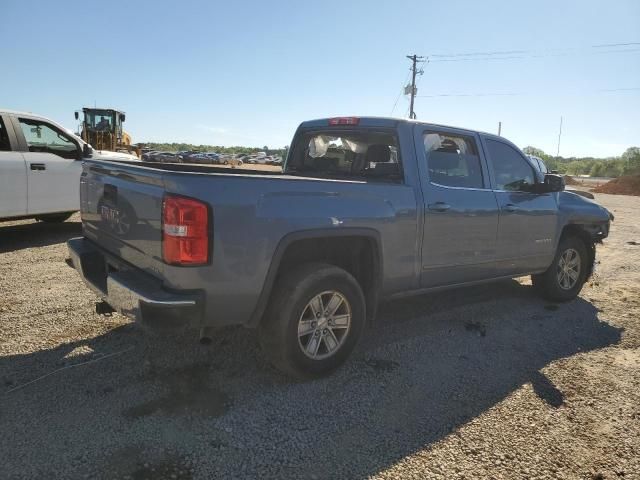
(121, 207)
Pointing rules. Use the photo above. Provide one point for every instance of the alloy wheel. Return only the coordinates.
(568, 270)
(324, 325)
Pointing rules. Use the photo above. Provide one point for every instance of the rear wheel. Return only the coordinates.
(314, 320)
(54, 217)
(564, 279)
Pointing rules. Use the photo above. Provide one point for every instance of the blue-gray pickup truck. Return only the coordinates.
(365, 209)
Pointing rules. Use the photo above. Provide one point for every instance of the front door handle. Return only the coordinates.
(38, 166)
(510, 207)
(439, 207)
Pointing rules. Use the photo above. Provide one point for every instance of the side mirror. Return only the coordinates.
(553, 183)
(122, 117)
(87, 151)
(75, 114)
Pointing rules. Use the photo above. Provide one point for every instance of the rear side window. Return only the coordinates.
(42, 137)
(5, 146)
(510, 170)
(353, 155)
(452, 160)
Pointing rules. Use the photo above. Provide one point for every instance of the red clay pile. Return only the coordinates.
(628, 185)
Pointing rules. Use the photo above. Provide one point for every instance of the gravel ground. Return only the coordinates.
(483, 382)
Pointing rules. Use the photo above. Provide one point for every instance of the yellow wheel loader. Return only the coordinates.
(102, 128)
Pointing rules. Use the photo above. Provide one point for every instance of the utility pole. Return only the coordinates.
(559, 136)
(414, 59)
(499, 128)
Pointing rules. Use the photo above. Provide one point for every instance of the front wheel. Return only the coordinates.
(314, 320)
(564, 279)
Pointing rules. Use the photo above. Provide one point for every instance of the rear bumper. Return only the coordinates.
(133, 292)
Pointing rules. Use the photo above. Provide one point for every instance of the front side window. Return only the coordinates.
(453, 160)
(510, 170)
(355, 155)
(5, 146)
(45, 138)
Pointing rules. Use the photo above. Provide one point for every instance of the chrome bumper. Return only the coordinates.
(132, 292)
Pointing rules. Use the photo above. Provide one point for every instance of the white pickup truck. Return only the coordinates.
(40, 167)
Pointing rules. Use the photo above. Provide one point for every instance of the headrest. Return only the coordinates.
(448, 146)
(378, 153)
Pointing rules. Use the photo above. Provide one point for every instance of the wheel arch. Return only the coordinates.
(313, 245)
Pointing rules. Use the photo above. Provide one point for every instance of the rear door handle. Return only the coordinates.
(38, 166)
(439, 207)
(510, 207)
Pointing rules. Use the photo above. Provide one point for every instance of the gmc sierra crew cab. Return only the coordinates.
(40, 166)
(365, 209)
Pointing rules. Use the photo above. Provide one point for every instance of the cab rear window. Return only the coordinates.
(352, 155)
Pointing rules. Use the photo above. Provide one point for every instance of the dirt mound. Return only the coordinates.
(629, 185)
(569, 180)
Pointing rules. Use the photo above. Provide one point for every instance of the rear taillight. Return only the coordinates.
(185, 231)
(344, 121)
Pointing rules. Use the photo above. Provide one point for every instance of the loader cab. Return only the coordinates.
(102, 128)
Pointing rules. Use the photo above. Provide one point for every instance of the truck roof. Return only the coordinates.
(34, 116)
(4, 111)
(389, 122)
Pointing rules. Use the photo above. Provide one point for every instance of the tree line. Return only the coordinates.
(189, 147)
(626, 164)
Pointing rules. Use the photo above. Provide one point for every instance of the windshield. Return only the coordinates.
(101, 120)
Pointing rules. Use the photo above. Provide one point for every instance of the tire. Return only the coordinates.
(292, 307)
(556, 286)
(54, 217)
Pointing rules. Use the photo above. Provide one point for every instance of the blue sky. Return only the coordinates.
(247, 73)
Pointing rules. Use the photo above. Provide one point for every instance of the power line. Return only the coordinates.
(543, 55)
(605, 48)
(615, 44)
(421, 72)
(514, 94)
(559, 136)
(518, 54)
(404, 83)
(618, 89)
(470, 95)
(511, 52)
(503, 52)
